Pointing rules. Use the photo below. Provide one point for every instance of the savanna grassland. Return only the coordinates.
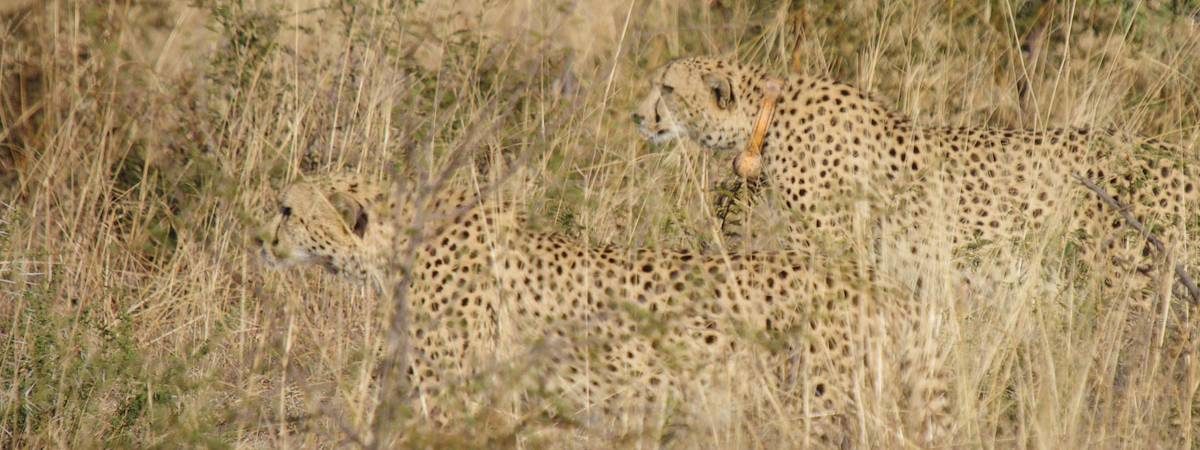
(141, 143)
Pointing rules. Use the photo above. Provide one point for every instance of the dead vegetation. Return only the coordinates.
(141, 140)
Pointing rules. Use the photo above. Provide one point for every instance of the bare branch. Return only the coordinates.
(418, 187)
(1159, 247)
(1123, 209)
(396, 361)
(800, 22)
(1031, 50)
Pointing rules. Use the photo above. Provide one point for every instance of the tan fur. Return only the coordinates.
(831, 146)
(617, 330)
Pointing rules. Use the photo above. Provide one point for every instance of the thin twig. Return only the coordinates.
(799, 23)
(1031, 50)
(418, 188)
(727, 201)
(728, 195)
(1159, 247)
(396, 360)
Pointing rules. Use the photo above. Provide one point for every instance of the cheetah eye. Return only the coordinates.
(667, 89)
(286, 211)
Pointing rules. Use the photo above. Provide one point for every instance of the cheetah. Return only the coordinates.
(628, 329)
(827, 149)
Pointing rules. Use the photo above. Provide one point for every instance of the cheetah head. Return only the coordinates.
(326, 222)
(709, 100)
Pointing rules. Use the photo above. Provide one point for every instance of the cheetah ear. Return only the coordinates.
(352, 212)
(722, 89)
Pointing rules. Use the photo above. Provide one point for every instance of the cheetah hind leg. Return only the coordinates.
(926, 379)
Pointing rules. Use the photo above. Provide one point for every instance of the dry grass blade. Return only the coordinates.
(1133, 222)
(145, 143)
(394, 367)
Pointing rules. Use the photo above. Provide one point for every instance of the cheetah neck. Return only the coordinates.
(371, 262)
(819, 107)
(453, 216)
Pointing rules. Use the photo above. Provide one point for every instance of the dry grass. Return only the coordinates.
(140, 140)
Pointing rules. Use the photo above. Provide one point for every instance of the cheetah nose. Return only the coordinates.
(637, 118)
(258, 242)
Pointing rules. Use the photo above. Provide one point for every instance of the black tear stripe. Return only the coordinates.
(360, 224)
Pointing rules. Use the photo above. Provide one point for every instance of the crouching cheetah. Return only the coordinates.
(827, 148)
(608, 332)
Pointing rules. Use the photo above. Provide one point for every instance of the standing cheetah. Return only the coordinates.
(619, 329)
(826, 147)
